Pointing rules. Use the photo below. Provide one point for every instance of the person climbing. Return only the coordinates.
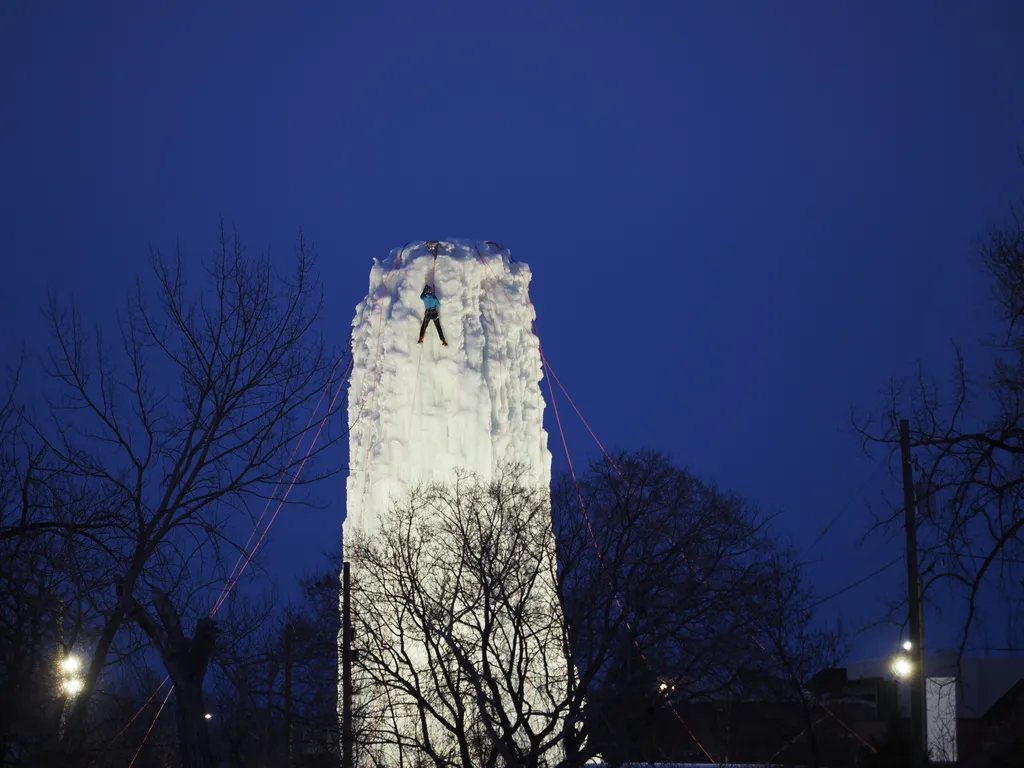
(431, 305)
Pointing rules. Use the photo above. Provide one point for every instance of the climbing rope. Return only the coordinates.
(547, 366)
(151, 726)
(586, 516)
(239, 568)
(232, 577)
(757, 641)
(248, 557)
(377, 373)
(366, 472)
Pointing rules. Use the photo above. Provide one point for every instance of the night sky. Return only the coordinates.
(742, 218)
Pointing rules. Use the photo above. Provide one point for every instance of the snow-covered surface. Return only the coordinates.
(419, 411)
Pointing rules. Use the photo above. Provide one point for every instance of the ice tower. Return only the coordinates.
(417, 412)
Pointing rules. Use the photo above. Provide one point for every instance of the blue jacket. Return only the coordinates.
(430, 301)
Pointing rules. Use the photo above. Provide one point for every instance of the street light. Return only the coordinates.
(71, 683)
(208, 716)
(907, 645)
(901, 667)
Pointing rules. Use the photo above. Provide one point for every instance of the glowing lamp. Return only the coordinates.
(901, 667)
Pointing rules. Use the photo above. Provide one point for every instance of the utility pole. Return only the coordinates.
(288, 695)
(916, 679)
(347, 758)
(63, 672)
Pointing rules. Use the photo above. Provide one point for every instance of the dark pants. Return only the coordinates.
(431, 314)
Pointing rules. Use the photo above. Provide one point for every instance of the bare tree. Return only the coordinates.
(669, 594)
(797, 648)
(246, 687)
(179, 429)
(186, 660)
(658, 572)
(248, 680)
(44, 580)
(460, 627)
(662, 584)
(678, 600)
(968, 444)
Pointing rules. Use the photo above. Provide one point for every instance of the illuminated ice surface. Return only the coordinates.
(418, 412)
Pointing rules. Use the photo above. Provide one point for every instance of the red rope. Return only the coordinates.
(693, 570)
(547, 364)
(135, 717)
(600, 557)
(615, 466)
(376, 381)
(295, 478)
(225, 590)
(579, 492)
(234, 578)
(579, 495)
(248, 559)
(369, 445)
(155, 718)
(415, 390)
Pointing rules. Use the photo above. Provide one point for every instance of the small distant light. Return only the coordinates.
(907, 645)
(209, 716)
(73, 686)
(71, 664)
(902, 667)
(663, 687)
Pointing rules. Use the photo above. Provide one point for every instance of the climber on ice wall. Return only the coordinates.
(431, 305)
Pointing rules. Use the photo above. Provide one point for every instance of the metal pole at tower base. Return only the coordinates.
(288, 744)
(347, 742)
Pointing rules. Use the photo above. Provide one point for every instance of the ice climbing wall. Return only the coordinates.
(419, 412)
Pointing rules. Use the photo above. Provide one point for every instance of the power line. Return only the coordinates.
(828, 528)
(857, 583)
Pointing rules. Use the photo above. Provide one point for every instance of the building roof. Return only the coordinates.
(981, 682)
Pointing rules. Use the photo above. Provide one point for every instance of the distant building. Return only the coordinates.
(963, 702)
(975, 718)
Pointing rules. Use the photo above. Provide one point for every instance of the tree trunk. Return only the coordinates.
(193, 734)
(186, 660)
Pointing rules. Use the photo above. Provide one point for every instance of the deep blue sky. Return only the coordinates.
(742, 217)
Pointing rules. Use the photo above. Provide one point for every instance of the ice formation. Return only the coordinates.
(418, 412)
